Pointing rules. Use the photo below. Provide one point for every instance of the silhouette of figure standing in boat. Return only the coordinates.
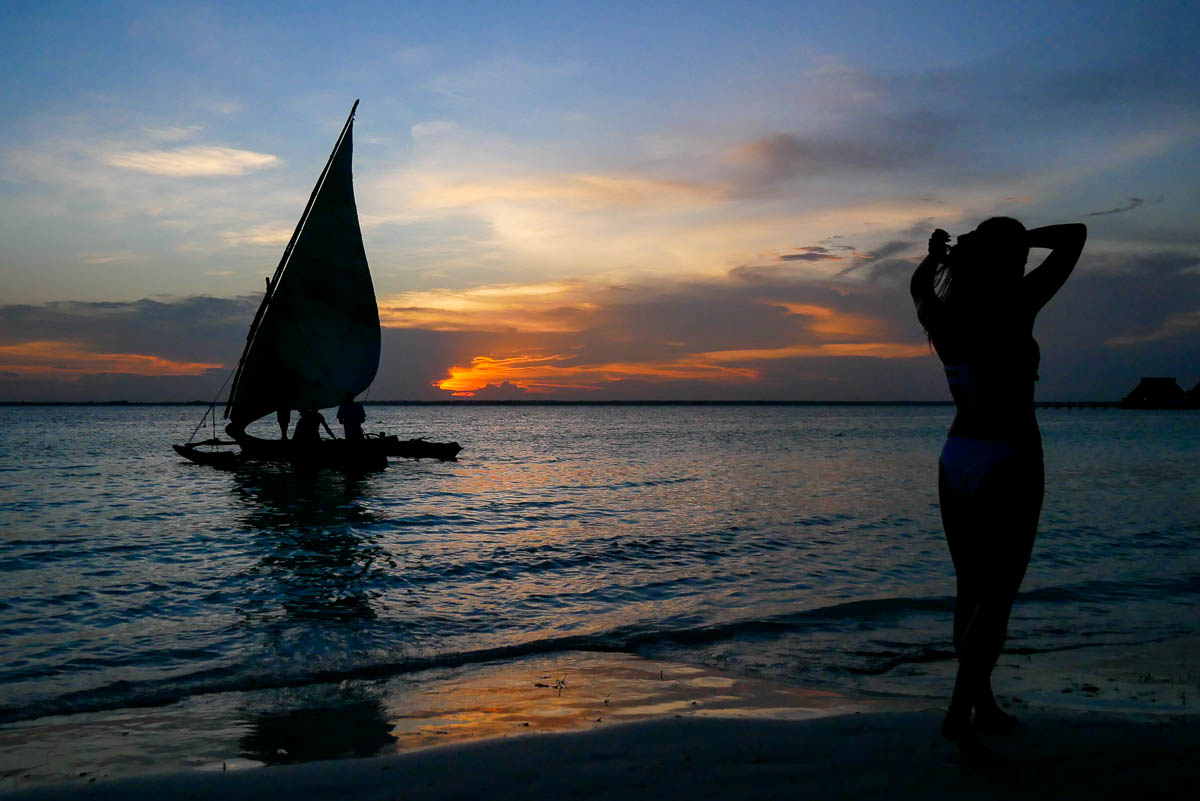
(351, 415)
(308, 428)
(978, 307)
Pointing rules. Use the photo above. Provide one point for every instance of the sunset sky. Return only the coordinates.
(618, 200)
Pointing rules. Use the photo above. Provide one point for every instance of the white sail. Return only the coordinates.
(316, 337)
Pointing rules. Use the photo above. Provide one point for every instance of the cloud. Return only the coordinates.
(543, 308)
(879, 350)
(193, 161)
(790, 333)
(812, 253)
(432, 128)
(69, 360)
(1133, 203)
(106, 258)
(586, 337)
(173, 133)
(587, 191)
(879, 260)
(867, 145)
(544, 373)
(266, 234)
(197, 330)
(1176, 325)
(504, 391)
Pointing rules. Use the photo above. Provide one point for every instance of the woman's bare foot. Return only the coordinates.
(994, 720)
(958, 729)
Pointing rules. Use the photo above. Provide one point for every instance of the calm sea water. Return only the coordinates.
(799, 542)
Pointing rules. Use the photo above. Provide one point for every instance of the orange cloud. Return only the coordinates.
(563, 308)
(51, 359)
(535, 373)
(535, 308)
(878, 350)
(831, 323)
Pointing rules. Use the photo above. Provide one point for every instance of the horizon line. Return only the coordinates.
(550, 402)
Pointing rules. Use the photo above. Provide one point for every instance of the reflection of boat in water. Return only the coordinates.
(314, 341)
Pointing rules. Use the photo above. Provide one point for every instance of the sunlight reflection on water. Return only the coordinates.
(733, 535)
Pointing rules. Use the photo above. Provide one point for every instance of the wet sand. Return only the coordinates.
(1106, 722)
(886, 755)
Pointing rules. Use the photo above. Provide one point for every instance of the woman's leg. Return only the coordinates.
(959, 527)
(990, 534)
(1013, 503)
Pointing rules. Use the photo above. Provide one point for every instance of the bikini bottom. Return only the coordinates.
(970, 462)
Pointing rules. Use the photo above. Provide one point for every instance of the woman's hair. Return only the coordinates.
(967, 264)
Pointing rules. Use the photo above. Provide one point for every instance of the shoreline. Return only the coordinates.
(1046, 404)
(882, 754)
(564, 692)
(517, 718)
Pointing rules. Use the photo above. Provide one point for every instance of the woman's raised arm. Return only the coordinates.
(923, 293)
(1066, 244)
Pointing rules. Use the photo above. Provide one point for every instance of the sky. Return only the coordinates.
(625, 200)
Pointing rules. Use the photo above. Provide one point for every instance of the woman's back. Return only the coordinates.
(978, 307)
(991, 362)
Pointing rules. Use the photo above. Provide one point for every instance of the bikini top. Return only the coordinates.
(973, 374)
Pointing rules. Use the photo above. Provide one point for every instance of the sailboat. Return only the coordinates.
(314, 341)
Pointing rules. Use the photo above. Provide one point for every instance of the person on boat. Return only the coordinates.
(978, 306)
(351, 415)
(284, 418)
(308, 427)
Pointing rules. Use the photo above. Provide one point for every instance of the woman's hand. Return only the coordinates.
(939, 241)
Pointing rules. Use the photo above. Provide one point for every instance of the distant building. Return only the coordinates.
(1156, 392)
(1193, 397)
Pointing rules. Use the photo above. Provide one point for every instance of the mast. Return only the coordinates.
(273, 282)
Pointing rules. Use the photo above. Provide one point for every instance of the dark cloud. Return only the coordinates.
(196, 329)
(1133, 203)
(868, 145)
(704, 317)
(889, 249)
(1158, 262)
(1108, 327)
(890, 269)
(1118, 317)
(812, 253)
(503, 391)
(879, 257)
(756, 273)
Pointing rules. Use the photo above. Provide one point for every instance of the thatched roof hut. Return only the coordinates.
(1156, 392)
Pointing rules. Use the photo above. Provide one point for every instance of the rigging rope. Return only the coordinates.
(211, 410)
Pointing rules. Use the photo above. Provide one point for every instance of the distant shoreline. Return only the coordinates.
(472, 402)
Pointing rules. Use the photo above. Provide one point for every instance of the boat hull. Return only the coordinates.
(419, 448)
(362, 455)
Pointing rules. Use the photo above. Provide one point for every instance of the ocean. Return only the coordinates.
(797, 543)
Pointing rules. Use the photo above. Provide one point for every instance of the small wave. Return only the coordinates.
(1115, 590)
(629, 639)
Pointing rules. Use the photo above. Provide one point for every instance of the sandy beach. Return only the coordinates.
(1105, 722)
(888, 755)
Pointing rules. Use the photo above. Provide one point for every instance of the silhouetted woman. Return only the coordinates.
(978, 306)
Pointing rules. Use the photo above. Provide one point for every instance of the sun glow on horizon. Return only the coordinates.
(545, 374)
